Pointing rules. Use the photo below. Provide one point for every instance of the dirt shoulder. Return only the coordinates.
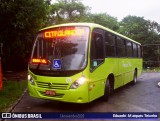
(15, 76)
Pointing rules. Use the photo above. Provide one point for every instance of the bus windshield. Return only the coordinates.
(60, 49)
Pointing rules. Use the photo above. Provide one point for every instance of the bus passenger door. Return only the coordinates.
(97, 78)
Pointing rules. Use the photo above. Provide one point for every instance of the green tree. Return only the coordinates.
(143, 31)
(64, 11)
(104, 20)
(20, 20)
(139, 29)
(135, 28)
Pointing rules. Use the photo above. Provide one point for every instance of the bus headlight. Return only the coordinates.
(78, 82)
(30, 79)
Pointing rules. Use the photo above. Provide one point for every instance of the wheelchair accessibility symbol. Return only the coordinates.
(56, 64)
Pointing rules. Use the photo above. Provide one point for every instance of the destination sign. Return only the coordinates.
(64, 33)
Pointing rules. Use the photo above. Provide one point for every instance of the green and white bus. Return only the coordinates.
(80, 62)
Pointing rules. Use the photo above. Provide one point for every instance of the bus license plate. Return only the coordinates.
(50, 92)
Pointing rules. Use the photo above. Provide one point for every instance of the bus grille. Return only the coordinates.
(58, 95)
(52, 85)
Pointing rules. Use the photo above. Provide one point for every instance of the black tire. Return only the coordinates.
(135, 77)
(107, 91)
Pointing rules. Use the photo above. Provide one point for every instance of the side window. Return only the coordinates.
(134, 50)
(129, 49)
(38, 52)
(97, 48)
(110, 45)
(121, 48)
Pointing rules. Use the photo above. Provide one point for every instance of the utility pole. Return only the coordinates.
(158, 56)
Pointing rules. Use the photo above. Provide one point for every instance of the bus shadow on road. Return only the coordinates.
(72, 107)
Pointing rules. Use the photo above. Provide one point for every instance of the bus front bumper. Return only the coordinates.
(79, 95)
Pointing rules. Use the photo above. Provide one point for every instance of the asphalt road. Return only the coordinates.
(142, 97)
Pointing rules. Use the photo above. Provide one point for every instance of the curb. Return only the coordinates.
(10, 109)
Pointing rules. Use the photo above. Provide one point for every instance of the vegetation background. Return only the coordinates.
(20, 20)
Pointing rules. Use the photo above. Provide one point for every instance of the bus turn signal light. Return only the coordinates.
(39, 60)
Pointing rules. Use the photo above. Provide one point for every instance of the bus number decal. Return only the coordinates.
(68, 80)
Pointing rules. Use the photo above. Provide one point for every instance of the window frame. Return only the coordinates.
(113, 45)
(121, 55)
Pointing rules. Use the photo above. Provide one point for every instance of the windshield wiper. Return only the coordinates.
(82, 61)
(38, 66)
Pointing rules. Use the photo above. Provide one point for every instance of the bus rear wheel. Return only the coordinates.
(107, 91)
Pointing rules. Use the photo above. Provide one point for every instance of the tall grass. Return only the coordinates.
(12, 90)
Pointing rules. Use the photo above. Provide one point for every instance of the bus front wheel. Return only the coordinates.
(107, 90)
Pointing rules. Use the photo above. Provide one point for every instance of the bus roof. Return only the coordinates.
(91, 25)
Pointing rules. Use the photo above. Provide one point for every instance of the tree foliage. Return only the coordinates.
(145, 32)
(20, 20)
(105, 20)
(67, 11)
(139, 29)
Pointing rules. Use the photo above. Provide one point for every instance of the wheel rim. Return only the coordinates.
(135, 77)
